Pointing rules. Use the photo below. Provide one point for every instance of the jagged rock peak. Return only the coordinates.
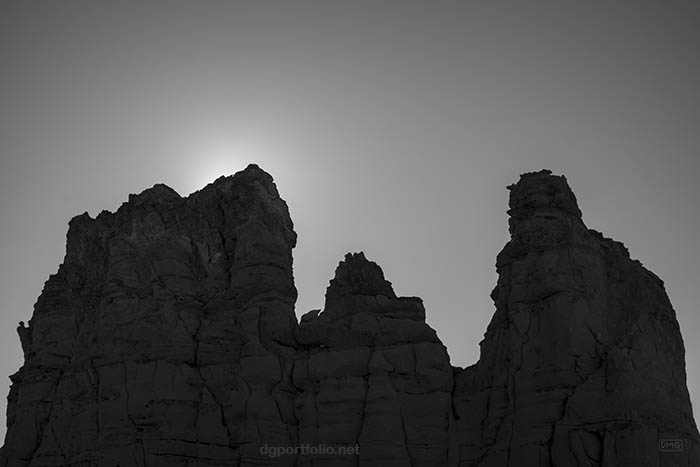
(582, 363)
(157, 194)
(158, 317)
(541, 192)
(251, 191)
(250, 177)
(168, 337)
(357, 275)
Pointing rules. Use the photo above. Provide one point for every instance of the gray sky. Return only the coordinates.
(389, 127)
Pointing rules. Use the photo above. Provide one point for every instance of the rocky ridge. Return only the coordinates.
(168, 337)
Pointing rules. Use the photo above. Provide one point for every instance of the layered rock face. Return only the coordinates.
(168, 337)
(374, 374)
(583, 361)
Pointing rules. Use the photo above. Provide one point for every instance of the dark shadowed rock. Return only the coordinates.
(372, 374)
(168, 337)
(583, 361)
(165, 336)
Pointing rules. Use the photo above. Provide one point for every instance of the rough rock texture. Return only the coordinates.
(373, 374)
(168, 337)
(583, 362)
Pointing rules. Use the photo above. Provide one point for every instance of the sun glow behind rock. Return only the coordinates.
(216, 156)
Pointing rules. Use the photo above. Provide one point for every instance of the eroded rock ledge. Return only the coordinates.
(168, 337)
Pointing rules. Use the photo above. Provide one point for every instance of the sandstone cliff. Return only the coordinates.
(373, 373)
(583, 362)
(168, 337)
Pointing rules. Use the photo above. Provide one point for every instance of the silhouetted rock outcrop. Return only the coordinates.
(168, 337)
(583, 361)
(373, 373)
(167, 334)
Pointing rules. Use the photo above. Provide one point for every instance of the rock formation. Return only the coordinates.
(373, 373)
(168, 337)
(583, 362)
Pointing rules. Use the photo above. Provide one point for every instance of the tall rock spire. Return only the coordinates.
(583, 361)
(372, 373)
(168, 337)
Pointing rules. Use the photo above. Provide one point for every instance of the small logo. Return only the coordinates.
(670, 445)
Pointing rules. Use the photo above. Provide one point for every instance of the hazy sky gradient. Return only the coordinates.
(390, 127)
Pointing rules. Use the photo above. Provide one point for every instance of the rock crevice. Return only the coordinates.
(168, 337)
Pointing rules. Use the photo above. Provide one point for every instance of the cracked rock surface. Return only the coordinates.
(373, 373)
(582, 364)
(168, 338)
